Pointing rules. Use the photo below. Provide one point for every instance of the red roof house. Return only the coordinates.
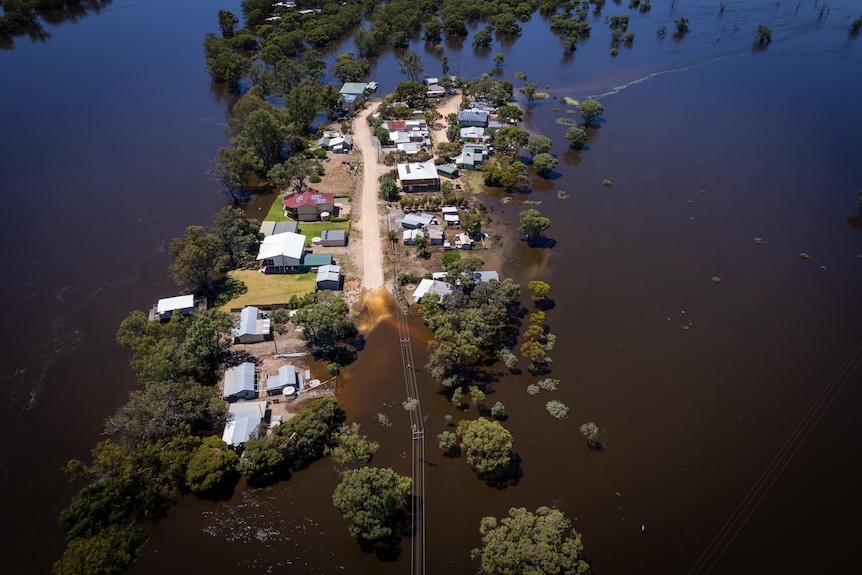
(307, 205)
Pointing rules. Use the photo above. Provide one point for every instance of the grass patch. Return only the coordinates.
(541, 96)
(475, 180)
(264, 289)
(570, 101)
(276, 211)
(314, 229)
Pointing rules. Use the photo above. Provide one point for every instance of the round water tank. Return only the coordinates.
(315, 241)
(288, 390)
(324, 216)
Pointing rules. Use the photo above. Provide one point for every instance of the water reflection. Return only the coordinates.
(31, 26)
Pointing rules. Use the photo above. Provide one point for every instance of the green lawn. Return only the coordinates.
(265, 289)
(308, 229)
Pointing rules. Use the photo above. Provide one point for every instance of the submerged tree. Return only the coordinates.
(525, 542)
(372, 499)
(486, 444)
(591, 432)
(590, 110)
(532, 224)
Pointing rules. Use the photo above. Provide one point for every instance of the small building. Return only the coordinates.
(435, 234)
(427, 286)
(329, 277)
(431, 80)
(412, 221)
(311, 262)
(243, 420)
(410, 148)
(463, 242)
(269, 228)
(287, 377)
(450, 172)
(471, 156)
(353, 89)
(306, 206)
(340, 145)
(436, 91)
(253, 326)
(478, 118)
(333, 238)
(240, 382)
(165, 308)
(281, 253)
(409, 237)
(419, 177)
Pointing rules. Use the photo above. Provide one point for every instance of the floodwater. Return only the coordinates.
(698, 387)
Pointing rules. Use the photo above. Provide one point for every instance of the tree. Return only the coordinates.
(576, 136)
(529, 90)
(590, 110)
(212, 467)
(682, 26)
(545, 163)
(223, 63)
(532, 224)
(482, 38)
(763, 35)
(433, 30)
(513, 178)
(109, 552)
(486, 444)
(292, 173)
(591, 432)
(411, 66)
(348, 69)
(539, 144)
(382, 135)
(388, 189)
(326, 324)
(414, 93)
(351, 448)
(448, 443)
(510, 114)
(498, 411)
(372, 499)
(194, 256)
(525, 542)
(236, 234)
(498, 61)
(540, 290)
(227, 22)
(557, 409)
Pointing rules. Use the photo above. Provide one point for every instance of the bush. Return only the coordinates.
(448, 443)
(557, 408)
(498, 411)
(314, 179)
(533, 389)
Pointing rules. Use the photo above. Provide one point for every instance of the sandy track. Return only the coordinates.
(369, 220)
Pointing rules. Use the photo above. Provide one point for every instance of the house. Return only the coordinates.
(353, 89)
(165, 308)
(427, 286)
(333, 238)
(409, 237)
(397, 137)
(306, 206)
(419, 177)
(436, 91)
(253, 327)
(471, 156)
(412, 221)
(463, 242)
(287, 382)
(341, 144)
(450, 172)
(311, 262)
(478, 118)
(240, 382)
(435, 235)
(431, 80)
(243, 420)
(329, 277)
(281, 253)
(410, 148)
(269, 228)
(450, 215)
(473, 134)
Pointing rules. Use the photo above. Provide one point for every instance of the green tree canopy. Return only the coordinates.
(194, 256)
(212, 467)
(326, 324)
(590, 110)
(350, 69)
(371, 499)
(540, 290)
(532, 224)
(410, 64)
(545, 163)
(539, 144)
(388, 189)
(236, 233)
(576, 136)
(486, 444)
(351, 448)
(524, 542)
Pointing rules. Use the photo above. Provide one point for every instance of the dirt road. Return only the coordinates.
(369, 219)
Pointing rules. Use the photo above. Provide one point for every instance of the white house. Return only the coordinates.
(243, 420)
(281, 253)
(240, 382)
(427, 286)
(253, 327)
(419, 177)
(409, 237)
(167, 307)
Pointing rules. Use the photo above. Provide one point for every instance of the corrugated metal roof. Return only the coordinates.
(286, 244)
(238, 379)
(313, 260)
(175, 303)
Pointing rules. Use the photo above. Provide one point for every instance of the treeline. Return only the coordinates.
(18, 15)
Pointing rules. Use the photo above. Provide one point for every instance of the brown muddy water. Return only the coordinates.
(697, 387)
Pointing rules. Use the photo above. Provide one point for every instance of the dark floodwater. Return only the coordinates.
(696, 386)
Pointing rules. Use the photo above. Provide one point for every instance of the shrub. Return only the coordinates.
(498, 411)
(557, 408)
(533, 389)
